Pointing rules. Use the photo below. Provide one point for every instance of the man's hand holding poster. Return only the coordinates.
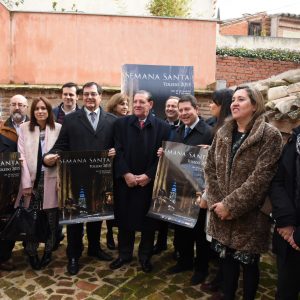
(178, 184)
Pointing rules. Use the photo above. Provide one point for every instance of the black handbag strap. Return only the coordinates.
(39, 166)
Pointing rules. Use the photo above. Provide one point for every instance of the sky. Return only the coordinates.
(200, 8)
(236, 8)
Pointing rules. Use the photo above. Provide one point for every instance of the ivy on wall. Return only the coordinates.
(270, 54)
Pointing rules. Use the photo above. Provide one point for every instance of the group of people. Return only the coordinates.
(245, 165)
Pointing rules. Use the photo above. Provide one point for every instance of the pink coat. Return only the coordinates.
(28, 145)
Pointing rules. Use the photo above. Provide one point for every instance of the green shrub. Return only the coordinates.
(270, 54)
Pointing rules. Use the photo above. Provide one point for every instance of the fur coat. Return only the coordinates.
(242, 187)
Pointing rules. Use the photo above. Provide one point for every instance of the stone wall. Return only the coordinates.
(257, 42)
(237, 70)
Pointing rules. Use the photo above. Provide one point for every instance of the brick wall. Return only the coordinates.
(240, 28)
(237, 70)
(54, 96)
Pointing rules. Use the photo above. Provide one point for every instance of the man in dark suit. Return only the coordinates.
(69, 95)
(8, 143)
(172, 118)
(87, 129)
(194, 132)
(137, 138)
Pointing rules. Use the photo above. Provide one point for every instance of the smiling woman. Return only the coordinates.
(240, 165)
(36, 138)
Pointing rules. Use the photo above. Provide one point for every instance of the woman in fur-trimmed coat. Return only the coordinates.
(240, 166)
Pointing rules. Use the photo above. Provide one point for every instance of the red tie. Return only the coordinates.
(142, 124)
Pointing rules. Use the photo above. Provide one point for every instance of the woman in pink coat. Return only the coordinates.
(36, 138)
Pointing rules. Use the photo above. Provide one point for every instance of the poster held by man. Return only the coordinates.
(10, 173)
(85, 186)
(179, 182)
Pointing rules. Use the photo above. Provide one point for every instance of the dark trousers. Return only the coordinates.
(185, 240)
(110, 224)
(74, 237)
(288, 284)
(126, 244)
(6, 248)
(162, 235)
(231, 272)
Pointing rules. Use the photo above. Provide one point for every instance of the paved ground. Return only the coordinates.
(96, 281)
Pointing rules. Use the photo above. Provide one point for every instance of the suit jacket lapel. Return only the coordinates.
(101, 120)
(84, 120)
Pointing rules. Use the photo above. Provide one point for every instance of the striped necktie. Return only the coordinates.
(187, 131)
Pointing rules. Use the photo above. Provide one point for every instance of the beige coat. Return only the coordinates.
(243, 187)
(28, 145)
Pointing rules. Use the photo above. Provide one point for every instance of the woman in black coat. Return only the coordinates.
(285, 196)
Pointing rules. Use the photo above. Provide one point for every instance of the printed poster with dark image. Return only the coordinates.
(160, 81)
(179, 183)
(10, 176)
(85, 187)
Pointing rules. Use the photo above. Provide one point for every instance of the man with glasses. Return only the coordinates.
(88, 129)
(18, 109)
(8, 143)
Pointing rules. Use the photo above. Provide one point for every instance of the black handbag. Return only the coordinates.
(27, 224)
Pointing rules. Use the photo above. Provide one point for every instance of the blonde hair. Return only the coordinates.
(115, 100)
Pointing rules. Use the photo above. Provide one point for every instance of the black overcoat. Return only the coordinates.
(7, 145)
(136, 153)
(77, 133)
(201, 134)
(286, 207)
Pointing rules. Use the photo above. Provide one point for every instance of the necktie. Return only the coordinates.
(142, 124)
(93, 117)
(187, 130)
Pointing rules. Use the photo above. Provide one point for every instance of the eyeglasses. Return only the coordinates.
(18, 104)
(93, 94)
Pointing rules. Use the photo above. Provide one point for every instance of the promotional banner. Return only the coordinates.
(161, 81)
(85, 187)
(179, 183)
(10, 175)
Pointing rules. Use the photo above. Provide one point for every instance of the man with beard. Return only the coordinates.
(8, 143)
(17, 108)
